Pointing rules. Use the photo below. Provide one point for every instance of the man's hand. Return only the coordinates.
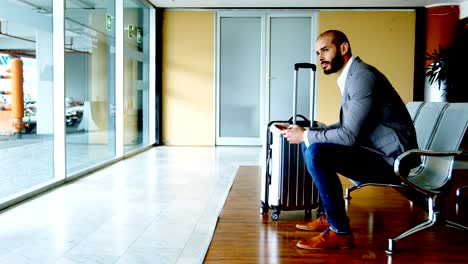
(294, 134)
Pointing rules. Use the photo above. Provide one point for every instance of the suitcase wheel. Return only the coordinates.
(275, 216)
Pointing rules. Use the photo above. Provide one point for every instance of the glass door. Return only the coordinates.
(290, 42)
(256, 53)
(239, 79)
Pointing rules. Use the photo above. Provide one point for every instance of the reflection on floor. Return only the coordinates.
(160, 206)
(28, 161)
(25, 162)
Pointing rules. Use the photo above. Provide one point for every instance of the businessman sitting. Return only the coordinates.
(373, 129)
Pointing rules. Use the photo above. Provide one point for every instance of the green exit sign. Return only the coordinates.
(131, 29)
(108, 22)
(138, 35)
(134, 30)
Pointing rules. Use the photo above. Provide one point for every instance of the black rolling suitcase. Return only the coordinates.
(287, 185)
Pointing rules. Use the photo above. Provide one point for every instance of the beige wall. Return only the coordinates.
(384, 39)
(188, 78)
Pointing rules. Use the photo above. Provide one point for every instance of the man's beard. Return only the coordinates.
(335, 65)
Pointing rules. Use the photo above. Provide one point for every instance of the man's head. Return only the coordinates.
(333, 51)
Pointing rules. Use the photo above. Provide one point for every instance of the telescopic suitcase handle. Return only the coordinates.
(304, 65)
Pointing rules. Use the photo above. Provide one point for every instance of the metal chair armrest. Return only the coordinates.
(460, 190)
(421, 153)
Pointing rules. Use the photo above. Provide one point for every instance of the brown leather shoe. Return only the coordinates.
(318, 225)
(328, 239)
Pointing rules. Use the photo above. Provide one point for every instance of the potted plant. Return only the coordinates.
(447, 75)
(437, 72)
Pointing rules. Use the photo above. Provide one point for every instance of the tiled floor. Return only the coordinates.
(160, 206)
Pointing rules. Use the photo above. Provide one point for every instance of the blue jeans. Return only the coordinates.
(325, 160)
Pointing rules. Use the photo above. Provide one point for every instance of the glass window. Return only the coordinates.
(89, 83)
(26, 96)
(136, 74)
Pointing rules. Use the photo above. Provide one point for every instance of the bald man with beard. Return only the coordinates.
(374, 128)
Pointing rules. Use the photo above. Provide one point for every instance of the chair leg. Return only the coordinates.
(458, 204)
(456, 225)
(432, 218)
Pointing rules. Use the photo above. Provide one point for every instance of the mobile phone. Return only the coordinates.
(281, 127)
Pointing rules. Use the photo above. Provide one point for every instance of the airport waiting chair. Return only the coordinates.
(440, 128)
(424, 122)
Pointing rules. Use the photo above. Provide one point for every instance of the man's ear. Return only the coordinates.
(344, 48)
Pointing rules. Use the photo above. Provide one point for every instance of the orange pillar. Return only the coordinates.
(441, 26)
(17, 100)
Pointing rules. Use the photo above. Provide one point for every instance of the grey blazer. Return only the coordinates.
(372, 116)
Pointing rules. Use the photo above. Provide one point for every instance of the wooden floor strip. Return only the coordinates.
(243, 235)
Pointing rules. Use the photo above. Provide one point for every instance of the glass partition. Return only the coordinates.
(136, 74)
(89, 83)
(29, 102)
(26, 96)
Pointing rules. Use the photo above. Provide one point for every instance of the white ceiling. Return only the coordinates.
(299, 3)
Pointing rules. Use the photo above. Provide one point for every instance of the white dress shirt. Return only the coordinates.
(341, 84)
